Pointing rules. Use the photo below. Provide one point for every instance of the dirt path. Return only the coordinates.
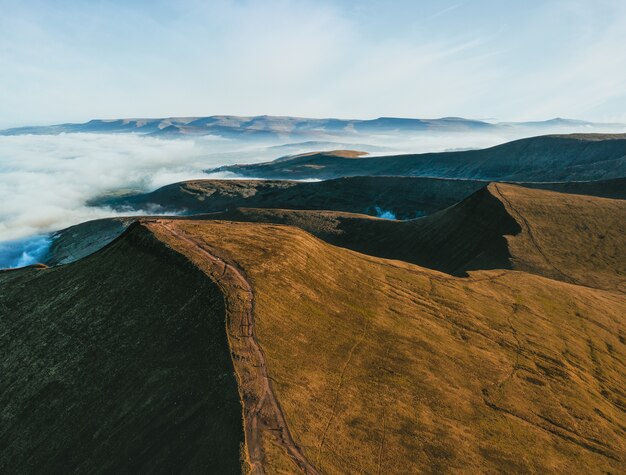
(263, 416)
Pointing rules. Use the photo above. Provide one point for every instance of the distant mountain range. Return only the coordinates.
(271, 127)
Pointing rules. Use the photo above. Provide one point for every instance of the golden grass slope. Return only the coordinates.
(385, 367)
(575, 238)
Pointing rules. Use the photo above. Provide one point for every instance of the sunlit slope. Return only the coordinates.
(117, 363)
(385, 367)
(578, 239)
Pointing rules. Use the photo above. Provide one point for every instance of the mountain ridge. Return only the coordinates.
(499, 226)
(277, 126)
(368, 358)
(572, 157)
(404, 197)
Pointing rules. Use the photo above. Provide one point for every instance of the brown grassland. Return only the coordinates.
(385, 367)
(513, 360)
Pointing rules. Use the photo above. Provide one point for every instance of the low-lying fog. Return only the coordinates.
(46, 180)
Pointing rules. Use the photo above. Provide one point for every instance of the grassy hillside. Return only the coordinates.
(117, 363)
(573, 238)
(577, 239)
(385, 366)
(404, 197)
(568, 237)
(545, 158)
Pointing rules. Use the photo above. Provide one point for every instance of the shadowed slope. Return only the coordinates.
(404, 197)
(385, 367)
(117, 363)
(544, 158)
(466, 237)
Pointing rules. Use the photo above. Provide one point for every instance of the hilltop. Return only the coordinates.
(576, 157)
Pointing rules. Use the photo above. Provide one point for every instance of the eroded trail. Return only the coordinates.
(263, 416)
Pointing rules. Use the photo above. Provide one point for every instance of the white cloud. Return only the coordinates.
(23, 252)
(45, 181)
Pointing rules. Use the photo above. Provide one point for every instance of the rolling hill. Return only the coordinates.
(576, 157)
(344, 361)
(402, 197)
(573, 238)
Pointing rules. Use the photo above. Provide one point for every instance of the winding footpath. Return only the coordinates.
(262, 414)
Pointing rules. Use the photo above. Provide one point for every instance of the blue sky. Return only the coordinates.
(508, 60)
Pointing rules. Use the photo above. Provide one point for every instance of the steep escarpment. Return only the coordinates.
(117, 363)
(81, 240)
(466, 236)
(544, 159)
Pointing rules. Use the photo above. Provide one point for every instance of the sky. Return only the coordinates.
(71, 61)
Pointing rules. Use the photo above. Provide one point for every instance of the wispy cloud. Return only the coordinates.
(444, 11)
(535, 59)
